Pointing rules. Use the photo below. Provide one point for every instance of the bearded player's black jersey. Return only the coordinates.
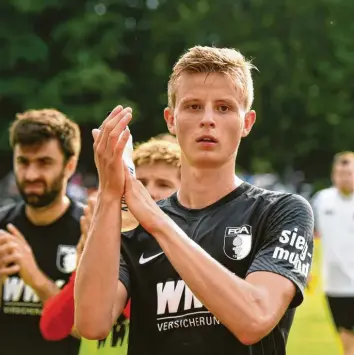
(54, 248)
(248, 230)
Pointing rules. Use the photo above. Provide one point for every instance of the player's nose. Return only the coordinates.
(208, 117)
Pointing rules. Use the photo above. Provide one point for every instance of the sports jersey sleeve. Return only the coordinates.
(124, 274)
(57, 318)
(287, 246)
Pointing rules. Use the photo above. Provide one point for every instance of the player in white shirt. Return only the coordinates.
(334, 220)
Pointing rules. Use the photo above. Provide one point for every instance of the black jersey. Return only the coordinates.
(54, 248)
(248, 230)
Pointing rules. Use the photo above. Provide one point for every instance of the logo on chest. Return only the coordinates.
(238, 242)
(66, 258)
(329, 212)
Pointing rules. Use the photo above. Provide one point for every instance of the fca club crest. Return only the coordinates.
(66, 258)
(238, 242)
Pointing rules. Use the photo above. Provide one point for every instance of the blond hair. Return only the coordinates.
(226, 61)
(38, 126)
(157, 150)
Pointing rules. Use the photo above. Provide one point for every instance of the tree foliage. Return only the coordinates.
(84, 57)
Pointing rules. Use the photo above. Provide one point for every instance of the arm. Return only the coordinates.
(37, 280)
(99, 296)
(16, 256)
(126, 311)
(44, 287)
(57, 318)
(248, 308)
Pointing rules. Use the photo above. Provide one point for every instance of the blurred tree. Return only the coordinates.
(62, 54)
(84, 57)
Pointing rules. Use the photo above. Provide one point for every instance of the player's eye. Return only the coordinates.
(46, 162)
(22, 161)
(223, 108)
(194, 107)
(164, 185)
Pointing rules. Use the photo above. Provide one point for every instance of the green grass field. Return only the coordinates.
(312, 332)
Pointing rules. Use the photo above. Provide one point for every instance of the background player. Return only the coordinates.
(334, 217)
(157, 164)
(38, 235)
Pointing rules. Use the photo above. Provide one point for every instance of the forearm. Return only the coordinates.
(97, 274)
(57, 318)
(239, 305)
(44, 287)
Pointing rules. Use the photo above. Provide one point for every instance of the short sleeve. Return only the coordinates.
(124, 276)
(287, 243)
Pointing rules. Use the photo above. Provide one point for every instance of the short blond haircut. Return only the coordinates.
(157, 150)
(38, 126)
(226, 61)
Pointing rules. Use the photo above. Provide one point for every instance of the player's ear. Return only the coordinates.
(70, 167)
(249, 121)
(170, 119)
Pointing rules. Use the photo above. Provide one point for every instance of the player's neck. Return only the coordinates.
(202, 187)
(49, 214)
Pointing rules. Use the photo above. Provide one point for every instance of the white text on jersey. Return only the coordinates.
(169, 297)
(299, 254)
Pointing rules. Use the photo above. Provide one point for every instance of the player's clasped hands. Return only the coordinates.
(114, 176)
(141, 204)
(109, 143)
(7, 254)
(16, 255)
